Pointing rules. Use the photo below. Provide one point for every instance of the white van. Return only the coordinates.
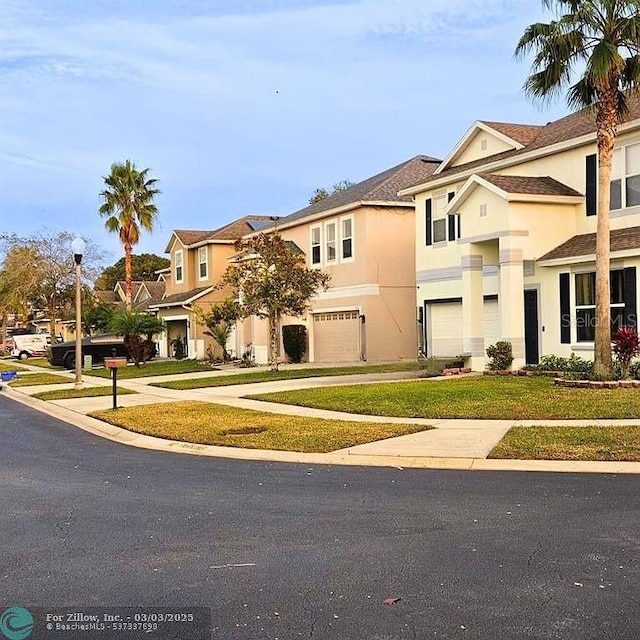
(30, 345)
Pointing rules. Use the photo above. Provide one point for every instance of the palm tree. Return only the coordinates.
(128, 206)
(601, 38)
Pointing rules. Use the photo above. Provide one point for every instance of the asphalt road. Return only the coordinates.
(292, 551)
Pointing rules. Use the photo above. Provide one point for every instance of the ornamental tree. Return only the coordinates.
(271, 280)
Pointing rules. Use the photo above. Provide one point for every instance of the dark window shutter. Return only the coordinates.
(565, 309)
(451, 219)
(428, 221)
(630, 298)
(591, 186)
(458, 221)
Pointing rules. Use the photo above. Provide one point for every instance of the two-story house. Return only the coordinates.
(198, 260)
(364, 238)
(505, 239)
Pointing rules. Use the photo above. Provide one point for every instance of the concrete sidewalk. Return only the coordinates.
(453, 444)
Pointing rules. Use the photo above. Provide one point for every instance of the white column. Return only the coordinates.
(473, 309)
(512, 298)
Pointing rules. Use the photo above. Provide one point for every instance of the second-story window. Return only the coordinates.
(330, 235)
(178, 266)
(315, 245)
(625, 177)
(203, 269)
(347, 238)
(439, 219)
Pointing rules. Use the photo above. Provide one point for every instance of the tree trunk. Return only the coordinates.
(274, 321)
(606, 121)
(127, 275)
(52, 319)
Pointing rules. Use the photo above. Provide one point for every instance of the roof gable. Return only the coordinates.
(485, 139)
(517, 189)
(576, 128)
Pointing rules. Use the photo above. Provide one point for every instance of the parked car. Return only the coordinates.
(100, 347)
(30, 345)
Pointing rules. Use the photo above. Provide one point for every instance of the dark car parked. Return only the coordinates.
(63, 354)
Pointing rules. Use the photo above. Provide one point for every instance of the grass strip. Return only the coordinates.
(590, 443)
(214, 424)
(10, 366)
(32, 379)
(477, 397)
(284, 374)
(148, 369)
(88, 392)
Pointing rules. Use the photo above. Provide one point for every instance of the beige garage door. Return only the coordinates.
(445, 321)
(336, 336)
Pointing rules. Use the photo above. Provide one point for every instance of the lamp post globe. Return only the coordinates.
(78, 246)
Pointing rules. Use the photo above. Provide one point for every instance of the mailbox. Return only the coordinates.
(115, 363)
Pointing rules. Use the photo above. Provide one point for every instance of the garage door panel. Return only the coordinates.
(446, 329)
(336, 336)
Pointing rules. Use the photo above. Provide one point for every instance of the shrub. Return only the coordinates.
(634, 370)
(178, 348)
(626, 345)
(501, 355)
(294, 338)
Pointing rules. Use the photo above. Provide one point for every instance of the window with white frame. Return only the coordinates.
(178, 266)
(346, 229)
(203, 266)
(585, 284)
(331, 254)
(625, 177)
(439, 218)
(316, 257)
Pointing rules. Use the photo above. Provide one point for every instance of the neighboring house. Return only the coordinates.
(198, 260)
(505, 239)
(143, 294)
(364, 238)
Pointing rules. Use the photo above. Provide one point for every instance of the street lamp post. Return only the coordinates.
(78, 246)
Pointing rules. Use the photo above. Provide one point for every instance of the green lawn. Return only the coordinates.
(38, 362)
(619, 443)
(488, 397)
(32, 379)
(207, 423)
(9, 365)
(87, 392)
(148, 369)
(285, 374)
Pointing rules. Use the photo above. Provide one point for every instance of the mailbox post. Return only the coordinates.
(114, 364)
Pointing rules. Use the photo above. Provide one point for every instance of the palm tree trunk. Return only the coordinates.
(606, 121)
(127, 275)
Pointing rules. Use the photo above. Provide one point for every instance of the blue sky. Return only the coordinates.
(239, 107)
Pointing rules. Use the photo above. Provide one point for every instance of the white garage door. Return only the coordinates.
(491, 322)
(445, 321)
(336, 336)
(446, 327)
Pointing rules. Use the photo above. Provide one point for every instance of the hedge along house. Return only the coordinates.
(505, 239)
(198, 260)
(364, 238)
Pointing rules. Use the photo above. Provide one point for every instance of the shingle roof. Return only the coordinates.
(190, 237)
(522, 133)
(108, 297)
(544, 186)
(239, 228)
(571, 126)
(181, 298)
(382, 187)
(585, 244)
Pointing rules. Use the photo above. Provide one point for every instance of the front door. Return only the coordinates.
(531, 344)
